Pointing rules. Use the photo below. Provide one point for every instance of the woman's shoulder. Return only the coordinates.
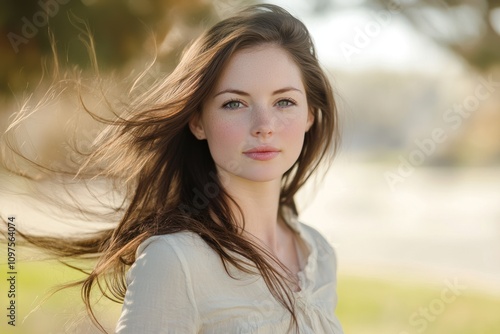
(313, 233)
(187, 243)
(308, 232)
(321, 248)
(185, 254)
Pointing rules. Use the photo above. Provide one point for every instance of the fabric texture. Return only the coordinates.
(178, 284)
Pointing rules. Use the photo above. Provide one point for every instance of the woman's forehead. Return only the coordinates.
(261, 67)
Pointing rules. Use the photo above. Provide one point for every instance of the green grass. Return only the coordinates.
(63, 312)
(366, 306)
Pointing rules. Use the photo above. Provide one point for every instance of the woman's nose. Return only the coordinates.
(263, 122)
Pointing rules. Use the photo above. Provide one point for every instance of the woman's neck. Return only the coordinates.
(259, 202)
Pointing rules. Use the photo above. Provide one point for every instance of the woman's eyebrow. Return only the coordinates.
(240, 92)
(234, 91)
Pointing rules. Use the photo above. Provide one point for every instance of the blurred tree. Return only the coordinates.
(471, 28)
(468, 27)
(121, 31)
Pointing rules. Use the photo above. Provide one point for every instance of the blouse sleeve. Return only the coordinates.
(159, 297)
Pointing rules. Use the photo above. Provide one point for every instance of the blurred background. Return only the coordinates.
(412, 201)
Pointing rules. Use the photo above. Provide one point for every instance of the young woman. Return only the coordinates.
(209, 241)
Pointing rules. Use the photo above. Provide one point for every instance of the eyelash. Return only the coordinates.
(291, 101)
(225, 105)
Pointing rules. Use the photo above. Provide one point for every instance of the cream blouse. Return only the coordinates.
(178, 284)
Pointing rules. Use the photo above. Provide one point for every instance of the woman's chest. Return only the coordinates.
(253, 310)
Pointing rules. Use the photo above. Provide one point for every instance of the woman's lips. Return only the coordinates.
(262, 153)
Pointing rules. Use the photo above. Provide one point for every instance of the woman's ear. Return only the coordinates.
(196, 127)
(310, 120)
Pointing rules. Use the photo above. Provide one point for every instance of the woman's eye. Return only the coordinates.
(285, 103)
(232, 105)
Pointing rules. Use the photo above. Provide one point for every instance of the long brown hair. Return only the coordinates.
(165, 166)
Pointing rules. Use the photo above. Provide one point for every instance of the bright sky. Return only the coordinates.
(354, 38)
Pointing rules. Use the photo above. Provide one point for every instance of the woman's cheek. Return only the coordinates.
(226, 138)
(296, 127)
(293, 134)
(233, 131)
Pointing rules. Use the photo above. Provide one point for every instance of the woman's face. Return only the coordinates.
(257, 115)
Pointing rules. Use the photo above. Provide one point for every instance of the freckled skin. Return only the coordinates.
(269, 107)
